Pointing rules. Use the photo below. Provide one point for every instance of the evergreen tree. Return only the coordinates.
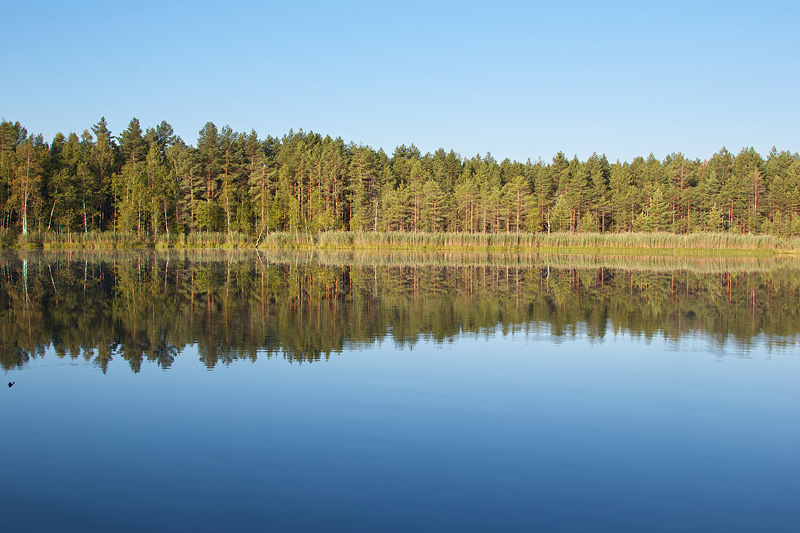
(466, 199)
(365, 189)
(182, 161)
(622, 200)
(559, 218)
(98, 182)
(209, 160)
(164, 190)
(516, 198)
(435, 210)
(658, 211)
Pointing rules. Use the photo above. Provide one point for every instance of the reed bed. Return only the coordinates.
(210, 240)
(411, 259)
(631, 242)
(93, 240)
(617, 243)
(97, 240)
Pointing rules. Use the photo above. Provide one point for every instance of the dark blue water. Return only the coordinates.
(487, 432)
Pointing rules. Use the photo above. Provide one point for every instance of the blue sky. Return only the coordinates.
(517, 79)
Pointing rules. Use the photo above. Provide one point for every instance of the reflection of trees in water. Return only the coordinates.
(148, 306)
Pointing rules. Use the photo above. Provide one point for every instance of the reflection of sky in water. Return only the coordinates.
(489, 431)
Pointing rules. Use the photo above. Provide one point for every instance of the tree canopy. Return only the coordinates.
(150, 182)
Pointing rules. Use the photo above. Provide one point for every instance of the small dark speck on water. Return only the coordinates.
(11, 384)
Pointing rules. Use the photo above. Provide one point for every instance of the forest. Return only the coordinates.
(149, 184)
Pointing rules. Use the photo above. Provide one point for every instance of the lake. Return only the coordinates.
(169, 391)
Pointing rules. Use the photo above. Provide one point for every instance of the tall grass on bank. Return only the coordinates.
(205, 240)
(530, 241)
(408, 241)
(97, 240)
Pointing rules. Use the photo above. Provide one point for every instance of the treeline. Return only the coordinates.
(150, 183)
(149, 307)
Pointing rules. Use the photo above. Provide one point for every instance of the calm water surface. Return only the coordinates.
(213, 391)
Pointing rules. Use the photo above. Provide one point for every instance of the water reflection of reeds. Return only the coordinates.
(655, 263)
(303, 306)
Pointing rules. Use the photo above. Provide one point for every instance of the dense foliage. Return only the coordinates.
(152, 183)
(150, 306)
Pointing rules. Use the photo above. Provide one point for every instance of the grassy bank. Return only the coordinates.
(597, 243)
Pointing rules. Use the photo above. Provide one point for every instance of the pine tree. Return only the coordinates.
(209, 160)
(621, 183)
(516, 198)
(559, 218)
(182, 162)
(658, 211)
(435, 211)
(98, 196)
(164, 188)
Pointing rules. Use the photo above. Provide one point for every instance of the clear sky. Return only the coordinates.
(518, 79)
